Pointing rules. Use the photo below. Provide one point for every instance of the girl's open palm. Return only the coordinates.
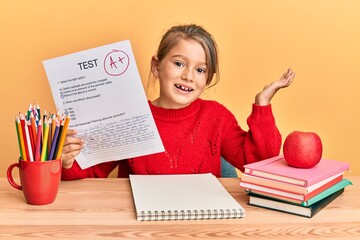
(264, 97)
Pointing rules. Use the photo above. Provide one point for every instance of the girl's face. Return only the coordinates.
(182, 74)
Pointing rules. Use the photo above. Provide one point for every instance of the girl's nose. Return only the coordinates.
(186, 75)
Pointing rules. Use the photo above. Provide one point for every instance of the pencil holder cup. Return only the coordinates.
(39, 180)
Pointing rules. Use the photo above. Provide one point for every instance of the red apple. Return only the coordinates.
(302, 149)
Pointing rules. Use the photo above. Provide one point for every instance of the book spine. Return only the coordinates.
(190, 215)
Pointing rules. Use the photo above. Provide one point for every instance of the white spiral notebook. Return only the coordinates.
(182, 197)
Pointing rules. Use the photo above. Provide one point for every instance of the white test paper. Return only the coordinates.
(101, 90)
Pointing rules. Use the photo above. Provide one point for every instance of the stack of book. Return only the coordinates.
(273, 184)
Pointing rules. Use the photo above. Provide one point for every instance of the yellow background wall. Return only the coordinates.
(258, 40)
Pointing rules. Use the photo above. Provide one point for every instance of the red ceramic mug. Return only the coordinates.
(39, 180)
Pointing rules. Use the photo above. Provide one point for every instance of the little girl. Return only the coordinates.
(196, 133)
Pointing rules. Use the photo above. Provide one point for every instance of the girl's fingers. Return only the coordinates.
(71, 132)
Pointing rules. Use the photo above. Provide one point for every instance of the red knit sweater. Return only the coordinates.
(194, 138)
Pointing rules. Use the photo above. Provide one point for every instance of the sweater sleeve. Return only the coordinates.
(101, 170)
(264, 139)
(261, 141)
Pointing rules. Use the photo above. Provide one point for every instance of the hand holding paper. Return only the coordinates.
(101, 90)
(71, 149)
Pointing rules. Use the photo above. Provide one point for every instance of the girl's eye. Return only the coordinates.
(201, 70)
(179, 64)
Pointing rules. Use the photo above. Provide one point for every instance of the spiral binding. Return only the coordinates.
(190, 215)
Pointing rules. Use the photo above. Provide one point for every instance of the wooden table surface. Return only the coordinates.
(104, 209)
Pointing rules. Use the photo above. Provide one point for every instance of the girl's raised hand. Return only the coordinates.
(264, 97)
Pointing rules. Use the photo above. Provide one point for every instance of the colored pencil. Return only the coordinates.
(38, 111)
(44, 117)
(29, 112)
(53, 125)
(34, 111)
(45, 138)
(62, 137)
(50, 135)
(62, 121)
(33, 126)
(40, 138)
(22, 121)
(28, 142)
(20, 138)
(38, 141)
(32, 139)
(54, 141)
(58, 114)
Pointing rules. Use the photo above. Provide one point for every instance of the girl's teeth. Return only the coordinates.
(183, 88)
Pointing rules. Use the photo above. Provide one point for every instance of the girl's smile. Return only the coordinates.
(183, 88)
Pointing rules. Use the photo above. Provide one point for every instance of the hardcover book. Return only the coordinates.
(248, 180)
(336, 187)
(277, 169)
(309, 211)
